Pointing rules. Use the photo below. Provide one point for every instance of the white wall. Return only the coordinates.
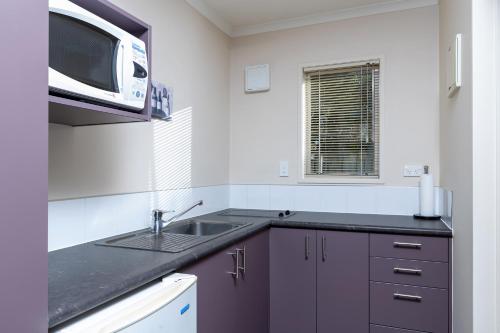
(264, 126)
(191, 55)
(484, 129)
(456, 156)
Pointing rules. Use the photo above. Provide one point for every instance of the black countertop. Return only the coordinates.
(85, 276)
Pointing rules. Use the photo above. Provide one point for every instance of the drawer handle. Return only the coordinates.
(236, 272)
(411, 298)
(308, 251)
(409, 271)
(407, 245)
(243, 266)
(323, 248)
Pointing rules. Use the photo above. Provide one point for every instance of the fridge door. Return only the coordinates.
(167, 307)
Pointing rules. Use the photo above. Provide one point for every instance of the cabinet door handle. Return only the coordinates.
(236, 272)
(404, 245)
(405, 297)
(409, 271)
(323, 247)
(243, 266)
(307, 247)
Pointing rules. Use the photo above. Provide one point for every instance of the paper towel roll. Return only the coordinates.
(426, 194)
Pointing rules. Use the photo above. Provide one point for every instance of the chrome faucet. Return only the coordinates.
(158, 222)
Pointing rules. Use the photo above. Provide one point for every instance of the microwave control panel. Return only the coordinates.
(140, 81)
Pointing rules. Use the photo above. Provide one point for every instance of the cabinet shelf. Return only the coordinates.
(66, 111)
(72, 112)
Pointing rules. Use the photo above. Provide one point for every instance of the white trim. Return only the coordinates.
(337, 15)
(204, 9)
(245, 30)
(300, 128)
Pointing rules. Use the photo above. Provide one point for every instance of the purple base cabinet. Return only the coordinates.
(293, 280)
(252, 287)
(409, 284)
(342, 282)
(229, 303)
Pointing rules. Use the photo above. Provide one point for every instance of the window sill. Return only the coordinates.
(340, 180)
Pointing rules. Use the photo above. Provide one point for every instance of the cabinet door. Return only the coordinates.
(252, 310)
(343, 282)
(216, 296)
(293, 280)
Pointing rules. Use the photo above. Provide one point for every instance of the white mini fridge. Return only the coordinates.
(168, 306)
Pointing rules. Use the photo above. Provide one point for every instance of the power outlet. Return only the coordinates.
(413, 170)
(283, 168)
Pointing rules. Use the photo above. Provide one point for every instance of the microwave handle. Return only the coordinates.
(123, 67)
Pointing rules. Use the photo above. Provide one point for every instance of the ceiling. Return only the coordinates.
(246, 17)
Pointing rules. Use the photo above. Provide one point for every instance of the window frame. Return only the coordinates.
(329, 179)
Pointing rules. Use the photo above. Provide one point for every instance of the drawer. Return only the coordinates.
(385, 329)
(413, 308)
(409, 247)
(412, 272)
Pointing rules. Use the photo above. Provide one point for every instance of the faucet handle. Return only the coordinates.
(161, 211)
(157, 215)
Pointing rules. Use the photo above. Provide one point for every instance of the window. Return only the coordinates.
(342, 121)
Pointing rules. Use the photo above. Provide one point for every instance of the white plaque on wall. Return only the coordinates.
(257, 78)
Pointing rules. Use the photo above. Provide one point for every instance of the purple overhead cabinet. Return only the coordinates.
(342, 282)
(293, 280)
(75, 112)
(23, 167)
(233, 288)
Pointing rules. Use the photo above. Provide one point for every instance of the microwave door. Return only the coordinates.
(85, 59)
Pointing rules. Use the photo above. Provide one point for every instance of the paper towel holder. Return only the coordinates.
(427, 217)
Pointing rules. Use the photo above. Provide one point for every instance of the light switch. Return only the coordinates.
(413, 170)
(283, 168)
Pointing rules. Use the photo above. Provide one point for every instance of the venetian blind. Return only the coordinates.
(342, 120)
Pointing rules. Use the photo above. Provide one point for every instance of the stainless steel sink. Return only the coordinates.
(200, 228)
(174, 238)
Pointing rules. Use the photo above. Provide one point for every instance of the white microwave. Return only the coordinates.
(92, 59)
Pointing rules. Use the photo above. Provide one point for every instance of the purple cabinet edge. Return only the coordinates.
(24, 167)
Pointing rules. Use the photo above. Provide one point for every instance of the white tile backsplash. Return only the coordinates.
(397, 200)
(282, 197)
(258, 197)
(238, 196)
(307, 198)
(334, 199)
(66, 223)
(112, 215)
(369, 199)
(362, 199)
(73, 222)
